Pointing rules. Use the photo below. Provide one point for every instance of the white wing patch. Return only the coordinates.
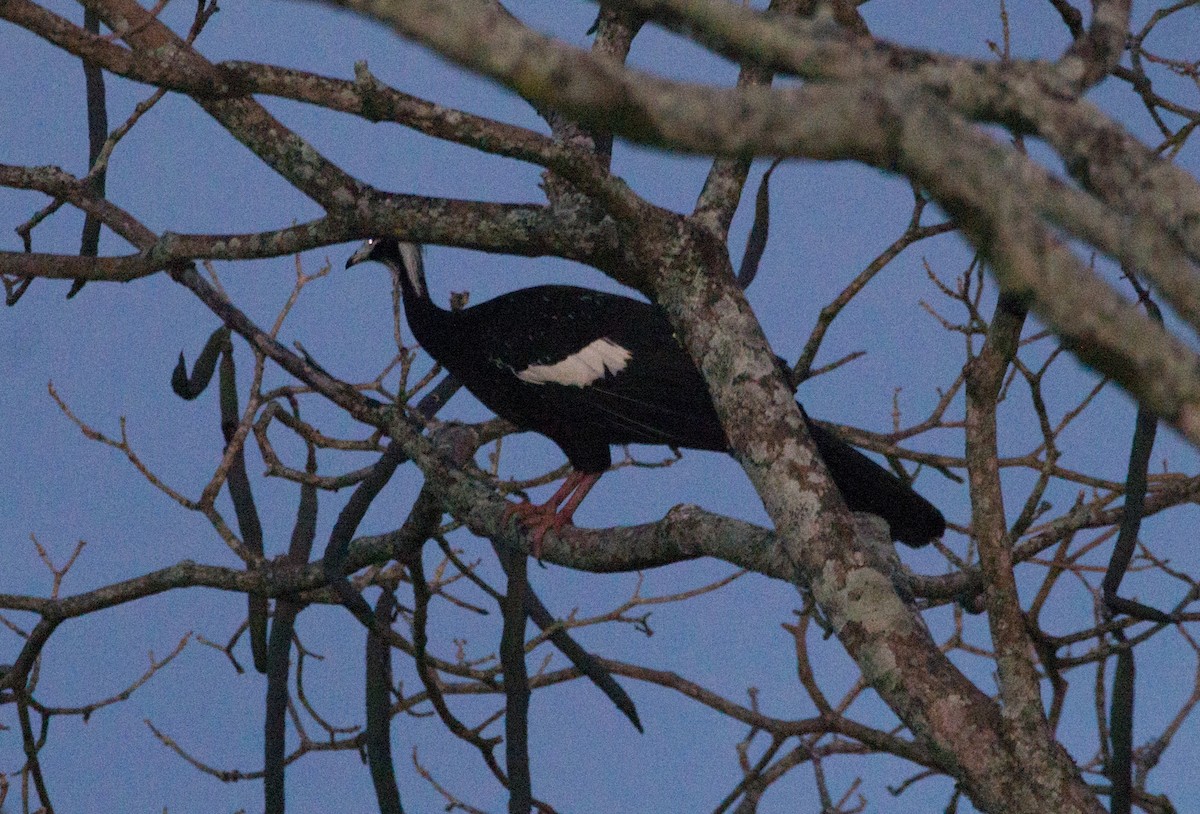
(580, 369)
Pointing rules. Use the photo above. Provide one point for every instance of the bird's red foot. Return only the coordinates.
(539, 519)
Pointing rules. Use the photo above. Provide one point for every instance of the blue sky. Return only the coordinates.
(111, 349)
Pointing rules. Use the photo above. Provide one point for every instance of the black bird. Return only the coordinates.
(589, 369)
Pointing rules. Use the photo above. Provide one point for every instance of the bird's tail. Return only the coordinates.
(868, 487)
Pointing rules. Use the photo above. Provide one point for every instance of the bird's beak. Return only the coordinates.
(362, 253)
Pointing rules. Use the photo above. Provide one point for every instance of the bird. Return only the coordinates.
(589, 369)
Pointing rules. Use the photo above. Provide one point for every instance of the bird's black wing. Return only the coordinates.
(547, 324)
(588, 368)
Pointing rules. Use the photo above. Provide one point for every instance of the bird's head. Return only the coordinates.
(402, 258)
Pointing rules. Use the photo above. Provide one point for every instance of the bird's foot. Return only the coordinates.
(537, 520)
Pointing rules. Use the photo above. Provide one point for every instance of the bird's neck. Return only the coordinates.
(428, 322)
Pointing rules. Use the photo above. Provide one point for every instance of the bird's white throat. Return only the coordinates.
(414, 266)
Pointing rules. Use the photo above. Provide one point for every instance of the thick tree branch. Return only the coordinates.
(882, 634)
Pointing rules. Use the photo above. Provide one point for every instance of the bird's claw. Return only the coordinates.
(537, 520)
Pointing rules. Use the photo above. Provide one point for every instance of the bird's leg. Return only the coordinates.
(539, 519)
(566, 515)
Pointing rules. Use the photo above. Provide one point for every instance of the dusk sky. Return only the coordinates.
(109, 353)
